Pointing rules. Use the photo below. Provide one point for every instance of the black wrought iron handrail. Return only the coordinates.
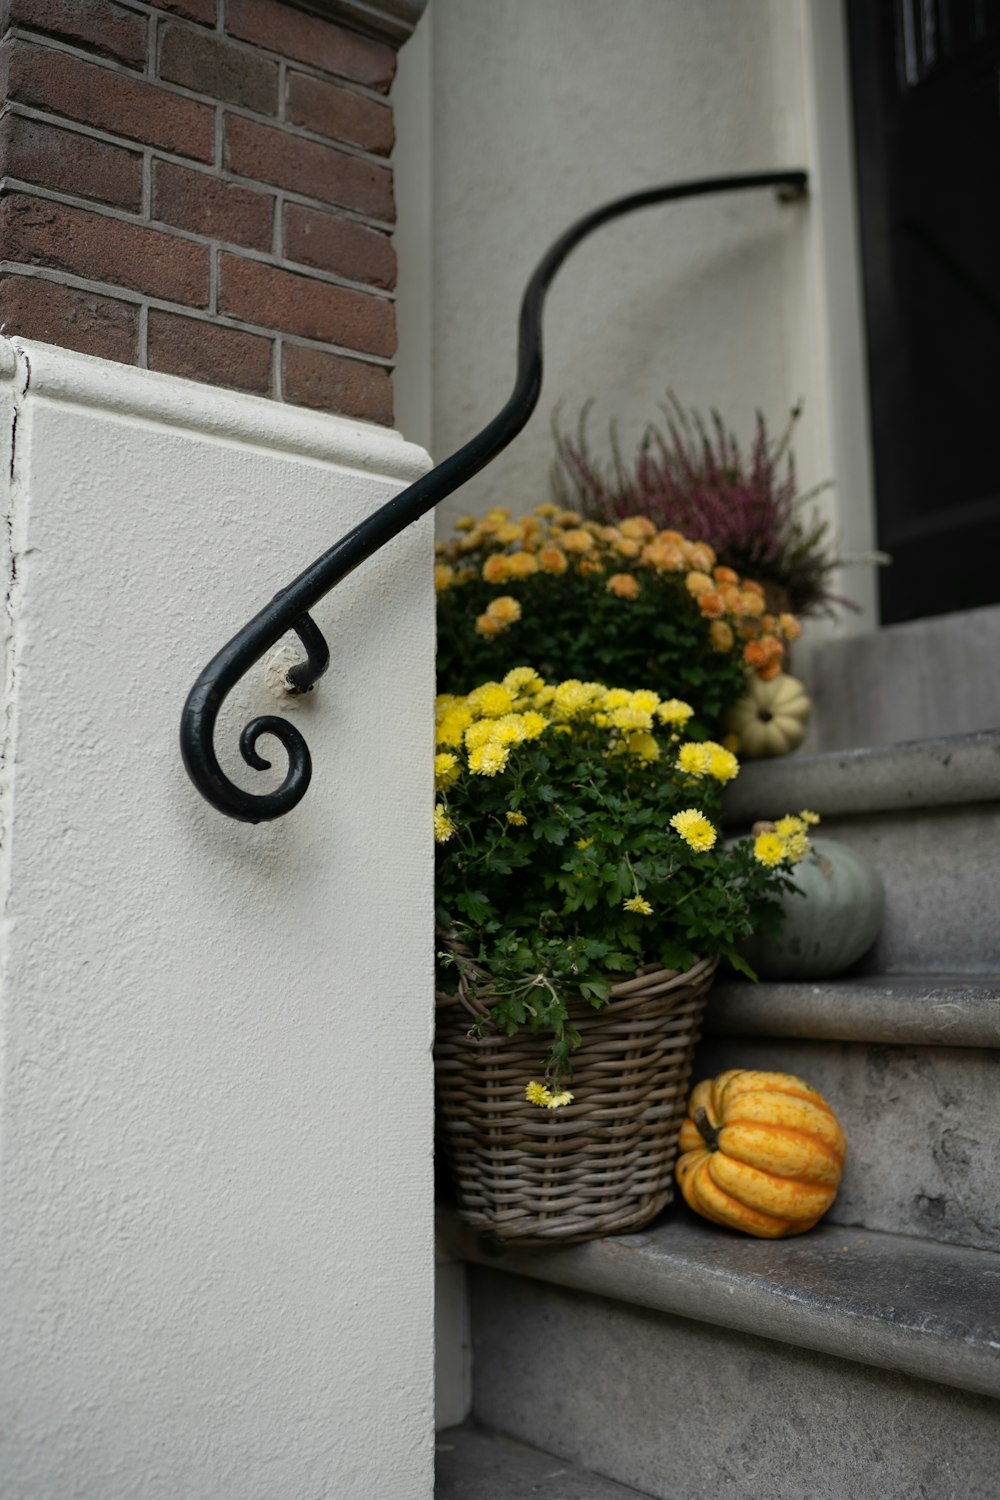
(289, 609)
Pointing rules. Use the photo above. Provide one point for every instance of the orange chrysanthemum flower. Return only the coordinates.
(496, 568)
(552, 560)
(623, 585)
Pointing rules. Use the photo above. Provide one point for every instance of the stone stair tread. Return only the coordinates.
(916, 1306)
(471, 1462)
(914, 774)
(937, 1010)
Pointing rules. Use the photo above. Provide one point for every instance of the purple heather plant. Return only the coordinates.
(694, 477)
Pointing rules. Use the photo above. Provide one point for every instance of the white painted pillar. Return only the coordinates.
(215, 1186)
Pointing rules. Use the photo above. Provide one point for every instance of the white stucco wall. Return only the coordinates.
(541, 112)
(215, 1184)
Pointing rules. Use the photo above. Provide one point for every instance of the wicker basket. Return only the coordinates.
(598, 1166)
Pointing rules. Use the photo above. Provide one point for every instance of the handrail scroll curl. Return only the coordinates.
(289, 609)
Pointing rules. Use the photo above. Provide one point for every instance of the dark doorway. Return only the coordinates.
(926, 87)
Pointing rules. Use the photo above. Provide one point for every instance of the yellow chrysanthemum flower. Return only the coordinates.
(488, 759)
(694, 759)
(643, 746)
(486, 625)
(446, 770)
(517, 818)
(630, 718)
(788, 825)
(695, 829)
(723, 764)
(797, 846)
(701, 556)
(491, 700)
(444, 577)
(673, 711)
(505, 609)
(521, 681)
(809, 818)
(537, 1093)
(769, 849)
(663, 556)
(547, 511)
(639, 904)
(443, 826)
(699, 583)
(465, 523)
(479, 733)
(584, 843)
(637, 528)
(646, 700)
(721, 635)
(533, 724)
(556, 1101)
(574, 697)
(454, 723)
(577, 540)
(509, 531)
(508, 730)
(522, 565)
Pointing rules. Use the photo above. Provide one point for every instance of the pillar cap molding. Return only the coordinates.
(389, 21)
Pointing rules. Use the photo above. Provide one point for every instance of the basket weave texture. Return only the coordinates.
(600, 1165)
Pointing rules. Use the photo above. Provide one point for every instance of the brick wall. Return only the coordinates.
(201, 187)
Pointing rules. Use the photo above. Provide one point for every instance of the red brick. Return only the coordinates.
(41, 232)
(332, 243)
(40, 153)
(207, 64)
(273, 298)
(272, 155)
(98, 96)
(204, 351)
(204, 204)
(309, 39)
(97, 25)
(338, 113)
(328, 382)
(55, 314)
(191, 10)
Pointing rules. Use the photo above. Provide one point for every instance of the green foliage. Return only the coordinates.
(572, 626)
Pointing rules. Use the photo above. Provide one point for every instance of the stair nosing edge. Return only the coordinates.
(726, 1300)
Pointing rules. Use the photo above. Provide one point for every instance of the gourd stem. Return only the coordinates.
(707, 1129)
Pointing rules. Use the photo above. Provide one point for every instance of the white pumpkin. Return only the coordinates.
(771, 718)
(833, 922)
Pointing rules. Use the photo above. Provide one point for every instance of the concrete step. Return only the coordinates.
(476, 1465)
(691, 1361)
(927, 813)
(922, 1309)
(925, 677)
(944, 1010)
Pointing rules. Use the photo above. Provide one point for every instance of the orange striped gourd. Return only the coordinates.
(762, 1152)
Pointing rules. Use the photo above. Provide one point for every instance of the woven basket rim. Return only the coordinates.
(648, 980)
